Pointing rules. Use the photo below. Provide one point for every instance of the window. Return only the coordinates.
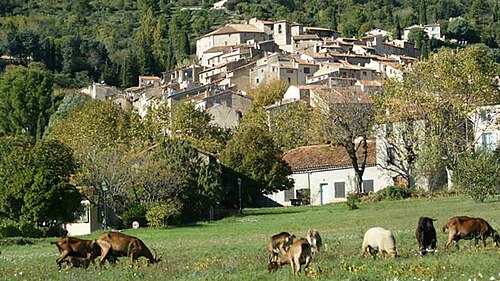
(303, 195)
(488, 141)
(339, 189)
(280, 29)
(288, 194)
(84, 215)
(391, 155)
(289, 71)
(289, 80)
(388, 130)
(486, 116)
(257, 81)
(307, 70)
(368, 186)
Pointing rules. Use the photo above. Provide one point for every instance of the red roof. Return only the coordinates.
(321, 157)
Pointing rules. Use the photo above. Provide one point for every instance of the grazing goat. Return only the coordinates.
(279, 243)
(463, 227)
(74, 247)
(297, 255)
(380, 240)
(314, 239)
(426, 235)
(122, 245)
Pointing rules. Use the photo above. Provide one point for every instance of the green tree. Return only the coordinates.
(195, 127)
(252, 153)
(129, 71)
(26, 101)
(144, 44)
(290, 127)
(99, 135)
(442, 92)
(35, 179)
(176, 176)
(268, 93)
(476, 173)
(422, 12)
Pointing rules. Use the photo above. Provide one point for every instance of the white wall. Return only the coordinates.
(322, 184)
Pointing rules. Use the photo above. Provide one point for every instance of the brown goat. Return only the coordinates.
(314, 239)
(79, 248)
(279, 243)
(121, 245)
(297, 255)
(463, 227)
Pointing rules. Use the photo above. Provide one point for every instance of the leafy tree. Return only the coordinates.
(26, 101)
(346, 117)
(268, 93)
(251, 152)
(194, 126)
(98, 133)
(476, 174)
(441, 92)
(460, 30)
(290, 126)
(176, 176)
(36, 178)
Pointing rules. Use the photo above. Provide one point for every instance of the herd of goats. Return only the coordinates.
(282, 247)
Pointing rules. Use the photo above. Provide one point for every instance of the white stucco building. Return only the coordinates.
(326, 173)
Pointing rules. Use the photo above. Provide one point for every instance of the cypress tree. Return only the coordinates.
(422, 12)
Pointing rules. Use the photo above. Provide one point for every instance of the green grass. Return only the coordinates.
(235, 248)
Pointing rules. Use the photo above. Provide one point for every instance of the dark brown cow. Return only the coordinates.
(78, 248)
(123, 245)
(426, 235)
(463, 227)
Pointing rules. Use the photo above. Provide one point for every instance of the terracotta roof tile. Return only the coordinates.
(320, 157)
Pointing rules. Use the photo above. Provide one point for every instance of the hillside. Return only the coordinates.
(235, 248)
(159, 35)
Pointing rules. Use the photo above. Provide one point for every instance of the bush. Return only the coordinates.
(159, 212)
(30, 230)
(135, 213)
(352, 199)
(394, 193)
(477, 175)
(9, 228)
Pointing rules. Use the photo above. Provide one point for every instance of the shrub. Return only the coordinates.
(9, 228)
(135, 213)
(352, 199)
(30, 230)
(394, 193)
(159, 212)
(477, 175)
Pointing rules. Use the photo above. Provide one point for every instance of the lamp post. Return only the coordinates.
(240, 211)
(104, 188)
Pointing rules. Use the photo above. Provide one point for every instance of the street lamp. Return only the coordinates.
(104, 188)
(240, 211)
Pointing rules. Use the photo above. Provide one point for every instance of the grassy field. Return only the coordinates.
(235, 248)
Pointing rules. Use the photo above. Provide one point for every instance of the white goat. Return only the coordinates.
(380, 240)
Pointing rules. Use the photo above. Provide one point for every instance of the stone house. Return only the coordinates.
(229, 35)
